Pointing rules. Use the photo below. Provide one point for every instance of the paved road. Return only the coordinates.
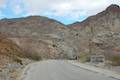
(60, 70)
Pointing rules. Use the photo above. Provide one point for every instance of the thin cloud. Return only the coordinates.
(63, 8)
(1, 15)
(3, 3)
(70, 10)
(17, 10)
(16, 7)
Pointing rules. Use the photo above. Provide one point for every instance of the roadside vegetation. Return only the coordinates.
(83, 57)
(115, 60)
(33, 56)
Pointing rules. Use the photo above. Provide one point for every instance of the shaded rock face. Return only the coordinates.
(100, 34)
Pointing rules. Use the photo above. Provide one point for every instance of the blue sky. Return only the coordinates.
(65, 11)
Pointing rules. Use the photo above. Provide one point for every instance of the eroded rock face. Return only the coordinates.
(100, 32)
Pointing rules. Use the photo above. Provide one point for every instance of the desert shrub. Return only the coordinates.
(36, 57)
(115, 60)
(18, 60)
(83, 57)
(33, 56)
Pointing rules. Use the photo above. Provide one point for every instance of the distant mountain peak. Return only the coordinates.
(113, 8)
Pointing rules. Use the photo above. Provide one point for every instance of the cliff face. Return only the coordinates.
(100, 34)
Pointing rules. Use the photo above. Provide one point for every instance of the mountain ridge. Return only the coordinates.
(48, 38)
(113, 8)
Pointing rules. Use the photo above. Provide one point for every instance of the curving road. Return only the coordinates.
(59, 70)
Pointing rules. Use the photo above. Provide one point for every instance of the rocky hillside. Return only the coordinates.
(100, 34)
(47, 38)
(39, 35)
(9, 52)
(12, 59)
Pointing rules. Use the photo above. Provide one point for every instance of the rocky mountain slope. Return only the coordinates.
(11, 58)
(39, 36)
(47, 38)
(100, 34)
(9, 51)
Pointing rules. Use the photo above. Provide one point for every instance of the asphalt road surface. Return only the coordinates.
(59, 70)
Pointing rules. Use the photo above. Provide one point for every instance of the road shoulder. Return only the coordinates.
(105, 72)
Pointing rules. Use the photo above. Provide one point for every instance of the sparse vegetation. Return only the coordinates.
(33, 56)
(83, 57)
(115, 60)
